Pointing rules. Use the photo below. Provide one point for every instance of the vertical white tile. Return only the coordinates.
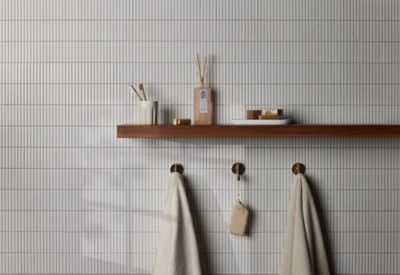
(74, 199)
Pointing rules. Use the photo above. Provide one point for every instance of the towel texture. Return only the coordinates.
(177, 251)
(305, 252)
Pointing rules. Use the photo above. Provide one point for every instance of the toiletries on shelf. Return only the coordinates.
(263, 117)
(148, 112)
(253, 114)
(264, 114)
(203, 97)
(148, 109)
(181, 121)
(271, 114)
(203, 106)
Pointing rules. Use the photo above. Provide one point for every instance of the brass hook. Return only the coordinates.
(176, 167)
(238, 169)
(298, 168)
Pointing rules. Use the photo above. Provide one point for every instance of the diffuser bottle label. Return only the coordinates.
(204, 101)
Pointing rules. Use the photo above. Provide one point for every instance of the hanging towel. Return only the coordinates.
(305, 252)
(177, 252)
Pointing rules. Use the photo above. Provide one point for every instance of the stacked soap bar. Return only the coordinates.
(264, 114)
(271, 114)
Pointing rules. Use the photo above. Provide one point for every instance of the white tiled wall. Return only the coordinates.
(76, 200)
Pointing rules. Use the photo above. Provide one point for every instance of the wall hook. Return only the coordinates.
(176, 167)
(298, 168)
(238, 169)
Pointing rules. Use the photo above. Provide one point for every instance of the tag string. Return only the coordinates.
(238, 190)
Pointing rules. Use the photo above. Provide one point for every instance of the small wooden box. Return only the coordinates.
(181, 121)
(253, 114)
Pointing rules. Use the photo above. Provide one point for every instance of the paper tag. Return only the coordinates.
(203, 101)
(239, 222)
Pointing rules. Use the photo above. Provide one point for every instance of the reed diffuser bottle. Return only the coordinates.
(203, 97)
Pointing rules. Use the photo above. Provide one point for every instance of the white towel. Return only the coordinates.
(177, 251)
(305, 252)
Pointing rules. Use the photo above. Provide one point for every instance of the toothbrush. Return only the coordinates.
(135, 92)
(141, 88)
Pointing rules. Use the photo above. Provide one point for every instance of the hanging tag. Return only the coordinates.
(239, 221)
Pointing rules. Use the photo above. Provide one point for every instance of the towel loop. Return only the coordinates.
(298, 168)
(176, 167)
(238, 169)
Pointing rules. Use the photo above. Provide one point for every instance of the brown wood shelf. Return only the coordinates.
(245, 131)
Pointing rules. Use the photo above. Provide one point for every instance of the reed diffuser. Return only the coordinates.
(203, 96)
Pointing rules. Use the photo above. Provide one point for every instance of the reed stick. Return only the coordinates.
(198, 68)
(205, 70)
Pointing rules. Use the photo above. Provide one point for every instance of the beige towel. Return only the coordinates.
(304, 248)
(177, 251)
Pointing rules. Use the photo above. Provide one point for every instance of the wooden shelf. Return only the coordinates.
(244, 131)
